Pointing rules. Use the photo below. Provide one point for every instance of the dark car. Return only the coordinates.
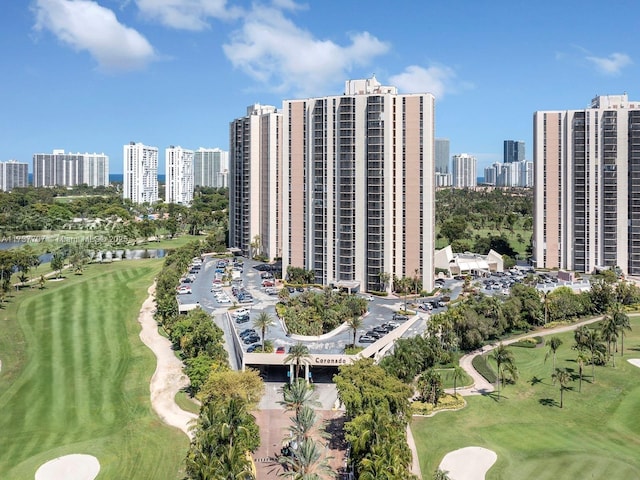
(291, 289)
(300, 289)
(374, 334)
(399, 317)
(254, 347)
(380, 329)
(251, 339)
(242, 319)
(247, 331)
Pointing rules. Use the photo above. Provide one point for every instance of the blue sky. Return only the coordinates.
(93, 75)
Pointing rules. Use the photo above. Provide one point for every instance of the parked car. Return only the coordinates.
(248, 331)
(244, 319)
(397, 317)
(241, 311)
(280, 350)
(251, 339)
(184, 289)
(254, 347)
(366, 339)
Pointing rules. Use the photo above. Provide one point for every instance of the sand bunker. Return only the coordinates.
(470, 463)
(634, 361)
(70, 467)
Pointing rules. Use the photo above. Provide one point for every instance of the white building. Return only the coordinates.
(179, 175)
(464, 171)
(13, 175)
(210, 167)
(140, 173)
(70, 169)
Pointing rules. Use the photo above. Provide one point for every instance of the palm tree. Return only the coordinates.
(595, 347)
(621, 320)
(263, 322)
(440, 475)
(554, 344)
(458, 374)
(298, 355)
(354, 322)
(297, 394)
(306, 462)
(563, 377)
(581, 360)
(505, 364)
(609, 333)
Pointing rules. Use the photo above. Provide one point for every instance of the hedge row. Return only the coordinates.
(483, 368)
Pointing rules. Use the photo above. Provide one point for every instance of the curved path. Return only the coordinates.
(480, 384)
(168, 379)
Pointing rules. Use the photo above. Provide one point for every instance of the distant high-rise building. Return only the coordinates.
(13, 175)
(179, 175)
(442, 155)
(443, 179)
(513, 151)
(491, 174)
(70, 169)
(515, 174)
(358, 175)
(140, 174)
(464, 171)
(210, 166)
(255, 182)
(587, 186)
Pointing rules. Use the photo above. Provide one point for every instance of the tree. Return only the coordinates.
(563, 377)
(554, 343)
(57, 263)
(505, 364)
(458, 374)
(430, 386)
(384, 280)
(297, 394)
(298, 355)
(263, 322)
(609, 333)
(581, 360)
(440, 475)
(305, 462)
(621, 319)
(354, 322)
(222, 385)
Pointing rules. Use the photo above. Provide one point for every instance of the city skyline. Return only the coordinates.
(106, 70)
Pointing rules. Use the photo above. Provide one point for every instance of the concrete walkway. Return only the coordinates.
(480, 384)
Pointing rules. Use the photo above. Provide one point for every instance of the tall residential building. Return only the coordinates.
(513, 151)
(587, 186)
(358, 176)
(179, 183)
(464, 171)
(255, 182)
(442, 155)
(140, 173)
(515, 174)
(13, 175)
(210, 166)
(70, 169)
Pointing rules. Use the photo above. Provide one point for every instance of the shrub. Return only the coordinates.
(351, 350)
(526, 343)
(480, 364)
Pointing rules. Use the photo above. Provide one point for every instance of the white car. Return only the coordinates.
(368, 297)
(184, 289)
(241, 311)
(223, 299)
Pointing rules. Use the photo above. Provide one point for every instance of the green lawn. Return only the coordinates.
(595, 435)
(75, 377)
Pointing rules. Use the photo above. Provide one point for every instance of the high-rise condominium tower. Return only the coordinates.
(358, 195)
(513, 151)
(210, 167)
(255, 182)
(464, 171)
(13, 175)
(587, 186)
(442, 155)
(179, 175)
(140, 174)
(70, 169)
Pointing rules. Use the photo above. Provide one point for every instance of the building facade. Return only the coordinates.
(70, 169)
(210, 167)
(255, 182)
(179, 182)
(13, 175)
(513, 151)
(464, 171)
(442, 155)
(587, 186)
(358, 200)
(140, 173)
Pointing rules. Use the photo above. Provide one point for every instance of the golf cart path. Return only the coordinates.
(169, 378)
(480, 384)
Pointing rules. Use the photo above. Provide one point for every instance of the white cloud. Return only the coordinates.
(186, 14)
(85, 25)
(270, 48)
(436, 79)
(611, 65)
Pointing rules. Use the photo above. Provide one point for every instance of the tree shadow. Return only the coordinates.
(535, 380)
(334, 427)
(548, 402)
(495, 397)
(635, 348)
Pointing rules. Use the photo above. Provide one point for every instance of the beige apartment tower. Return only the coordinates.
(587, 186)
(255, 182)
(358, 176)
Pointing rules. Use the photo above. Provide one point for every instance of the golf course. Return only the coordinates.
(596, 433)
(75, 377)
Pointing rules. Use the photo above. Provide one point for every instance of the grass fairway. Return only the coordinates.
(77, 377)
(596, 434)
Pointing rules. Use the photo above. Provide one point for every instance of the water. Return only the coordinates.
(117, 254)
